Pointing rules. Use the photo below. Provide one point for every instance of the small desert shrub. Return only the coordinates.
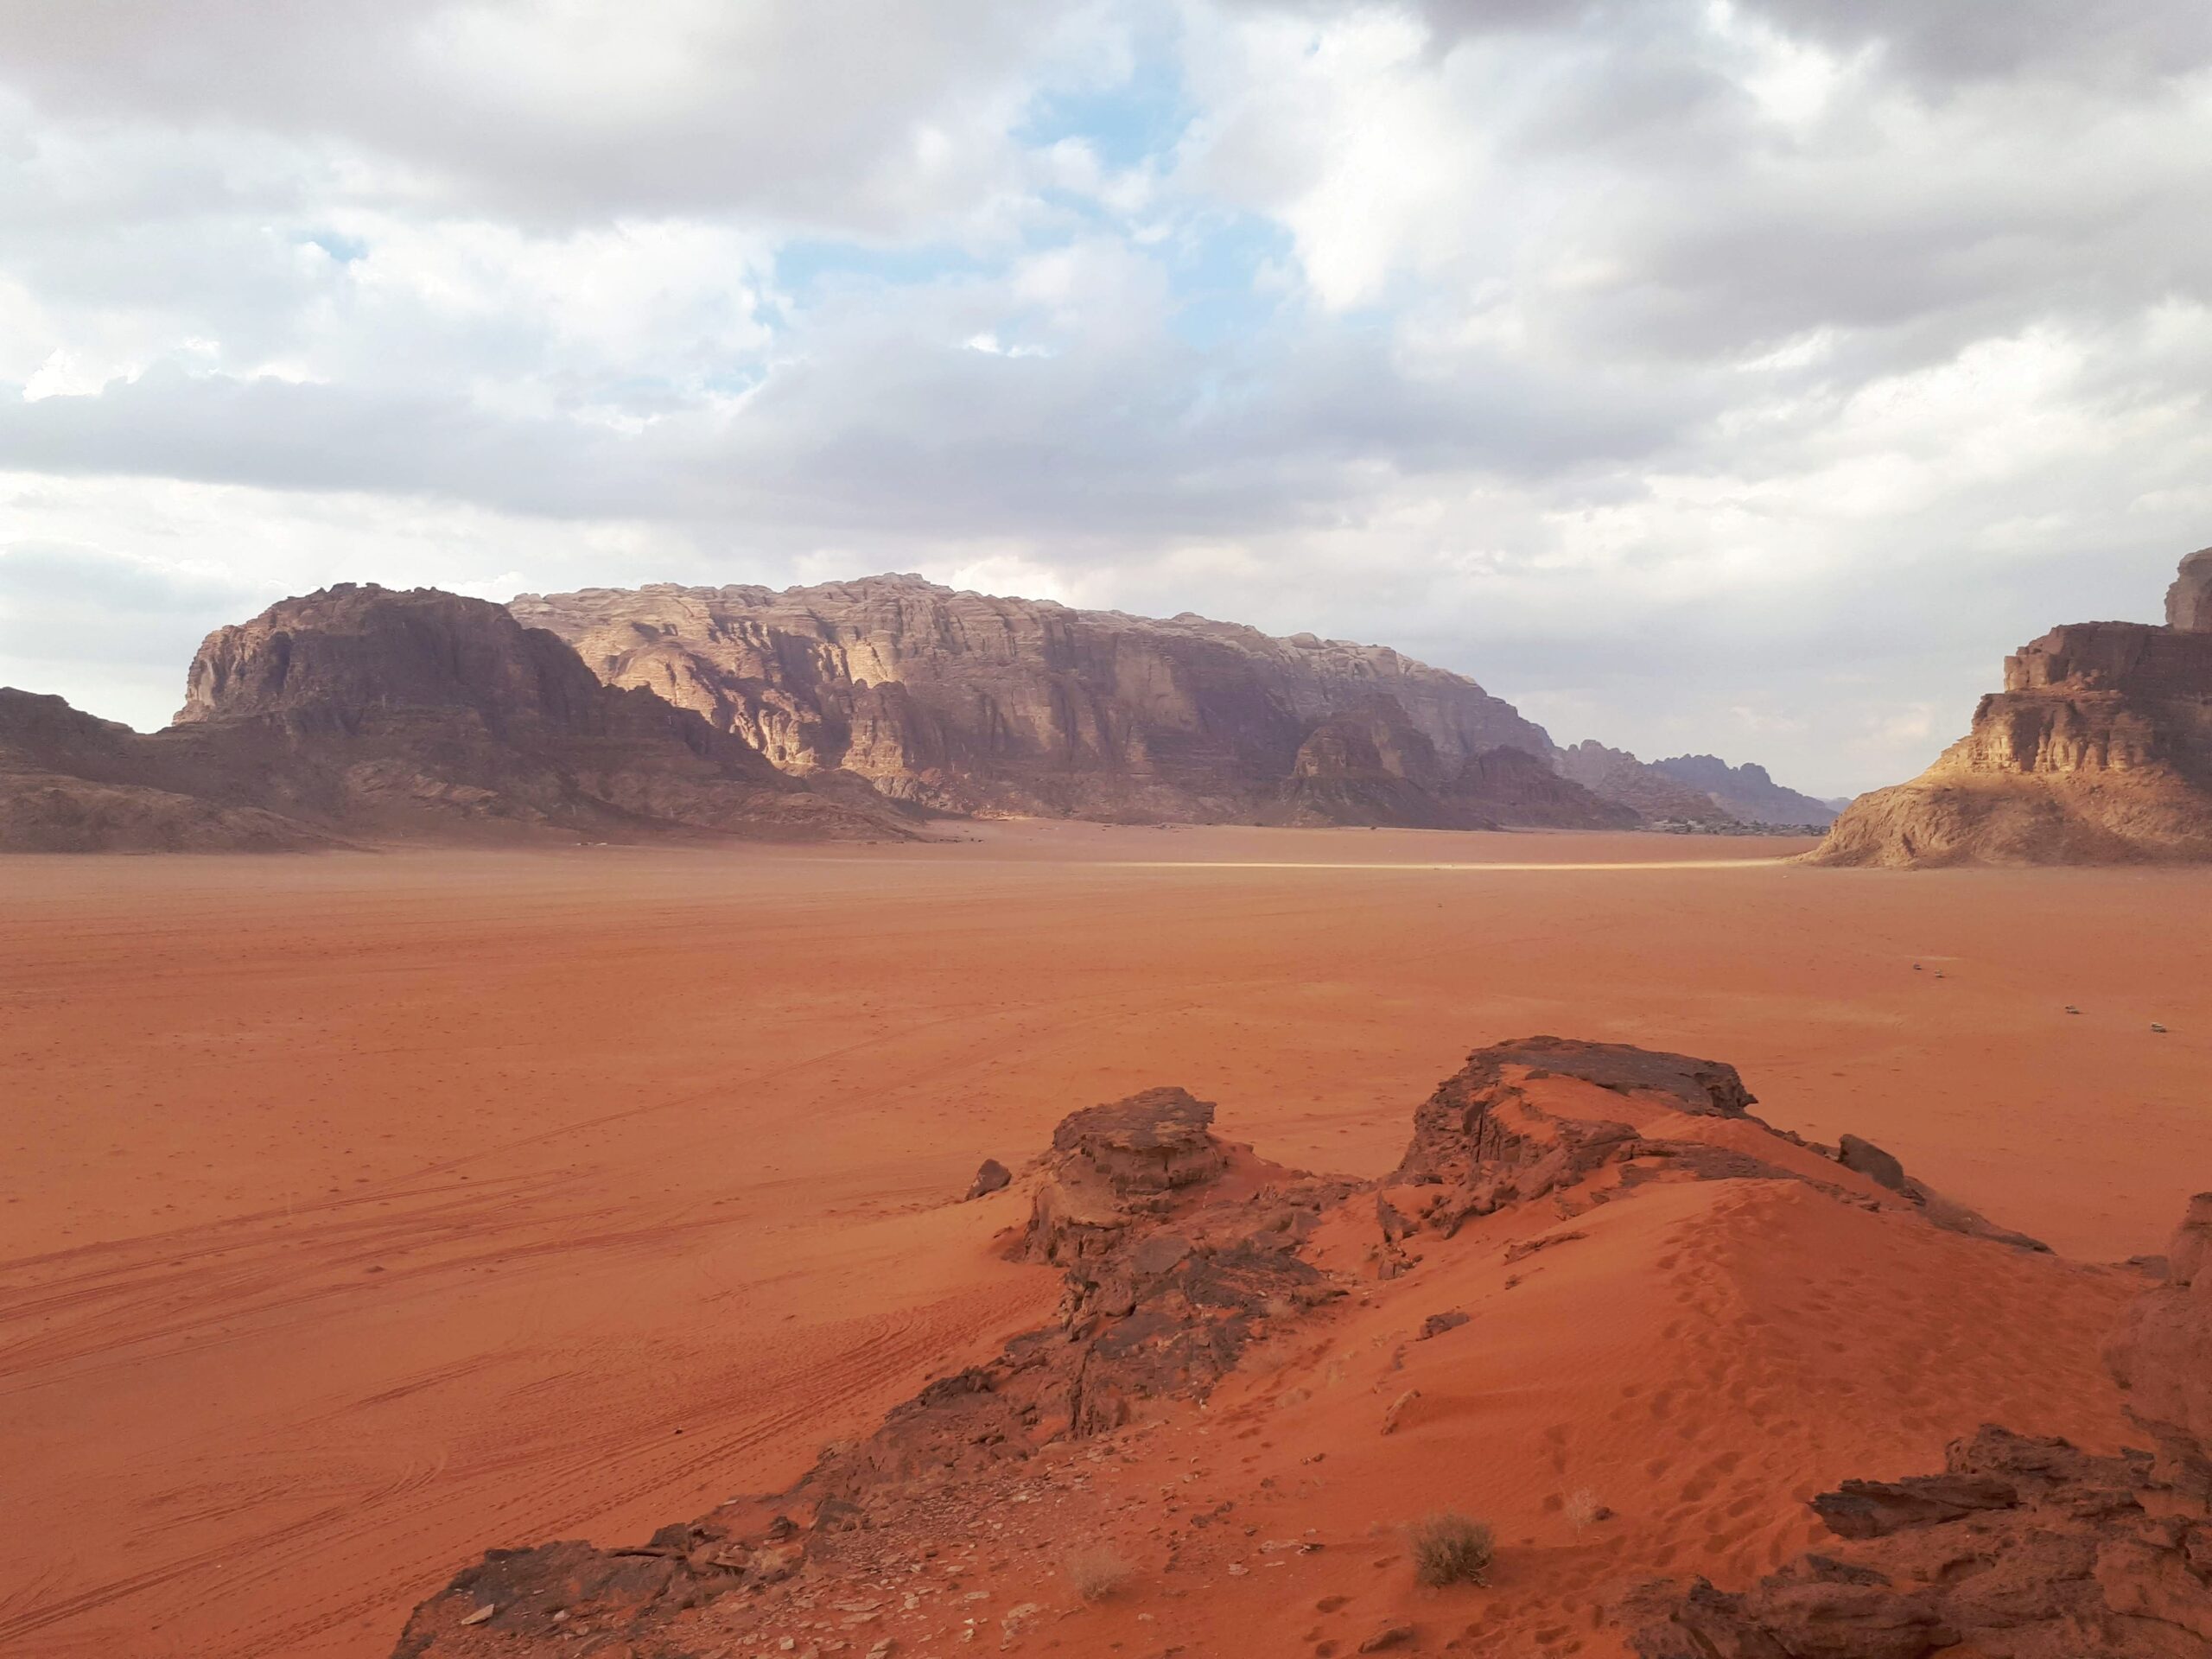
(1581, 1507)
(1449, 1548)
(1096, 1572)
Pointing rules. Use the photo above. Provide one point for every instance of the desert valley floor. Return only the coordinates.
(359, 1211)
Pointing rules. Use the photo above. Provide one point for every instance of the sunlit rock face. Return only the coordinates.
(2098, 750)
(971, 703)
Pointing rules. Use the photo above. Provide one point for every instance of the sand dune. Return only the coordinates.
(361, 1211)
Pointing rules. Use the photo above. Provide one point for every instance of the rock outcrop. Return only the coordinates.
(359, 714)
(2189, 602)
(2022, 1548)
(1747, 792)
(1176, 1251)
(1182, 1257)
(2098, 751)
(72, 783)
(971, 703)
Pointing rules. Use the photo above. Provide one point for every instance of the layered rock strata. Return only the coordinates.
(2098, 751)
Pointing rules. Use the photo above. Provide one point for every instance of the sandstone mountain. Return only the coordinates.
(359, 714)
(971, 704)
(2098, 751)
(1745, 792)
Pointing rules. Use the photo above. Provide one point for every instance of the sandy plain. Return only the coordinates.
(359, 1212)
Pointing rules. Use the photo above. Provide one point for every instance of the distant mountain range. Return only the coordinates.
(853, 709)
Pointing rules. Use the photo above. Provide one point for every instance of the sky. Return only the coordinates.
(1737, 376)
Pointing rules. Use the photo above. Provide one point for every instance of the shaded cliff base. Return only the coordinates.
(1599, 1306)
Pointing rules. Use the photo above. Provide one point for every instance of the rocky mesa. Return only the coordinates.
(2098, 751)
(971, 704)
(362, 714)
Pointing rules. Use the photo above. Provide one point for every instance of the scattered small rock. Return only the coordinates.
(1391, 1418)
(1437, 1324)
(480, 1615)
(991, 1178)
(1390, 1636)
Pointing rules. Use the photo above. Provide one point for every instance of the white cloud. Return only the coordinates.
(1655, 361)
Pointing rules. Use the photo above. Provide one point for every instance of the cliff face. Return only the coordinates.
(359, 713)
(2098, 750)
(971, 703)
(1745, 792)
(1371, 764)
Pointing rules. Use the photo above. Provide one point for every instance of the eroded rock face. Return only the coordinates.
(2098, 750)
(2189, 602)
(359, 713)
(1371, 764)
(972, 703)
(2021, 1549)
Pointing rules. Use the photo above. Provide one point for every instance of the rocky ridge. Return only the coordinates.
(1747, 792)
(2098, 751)
(975, 704)
(1192, 1270)
(363, 715)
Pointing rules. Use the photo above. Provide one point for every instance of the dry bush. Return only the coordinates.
(1449, 1548)
(1582, 1508)
(1096, 1572)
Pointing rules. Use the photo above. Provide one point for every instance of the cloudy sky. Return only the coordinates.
(1731, 375)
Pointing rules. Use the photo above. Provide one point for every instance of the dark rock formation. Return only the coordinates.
(359, 714)
(69, 783)
(2020, 1549)
(991, 1176)
(2099, 750)
(1746, 793)
(1371, 764)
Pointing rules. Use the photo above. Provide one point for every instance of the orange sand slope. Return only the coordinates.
(361, 1213)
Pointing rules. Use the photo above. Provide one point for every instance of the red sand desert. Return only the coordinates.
(363, 1212)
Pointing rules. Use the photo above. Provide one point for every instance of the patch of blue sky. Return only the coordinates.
(1142, 116)
(1229, 274)
(342, 248)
